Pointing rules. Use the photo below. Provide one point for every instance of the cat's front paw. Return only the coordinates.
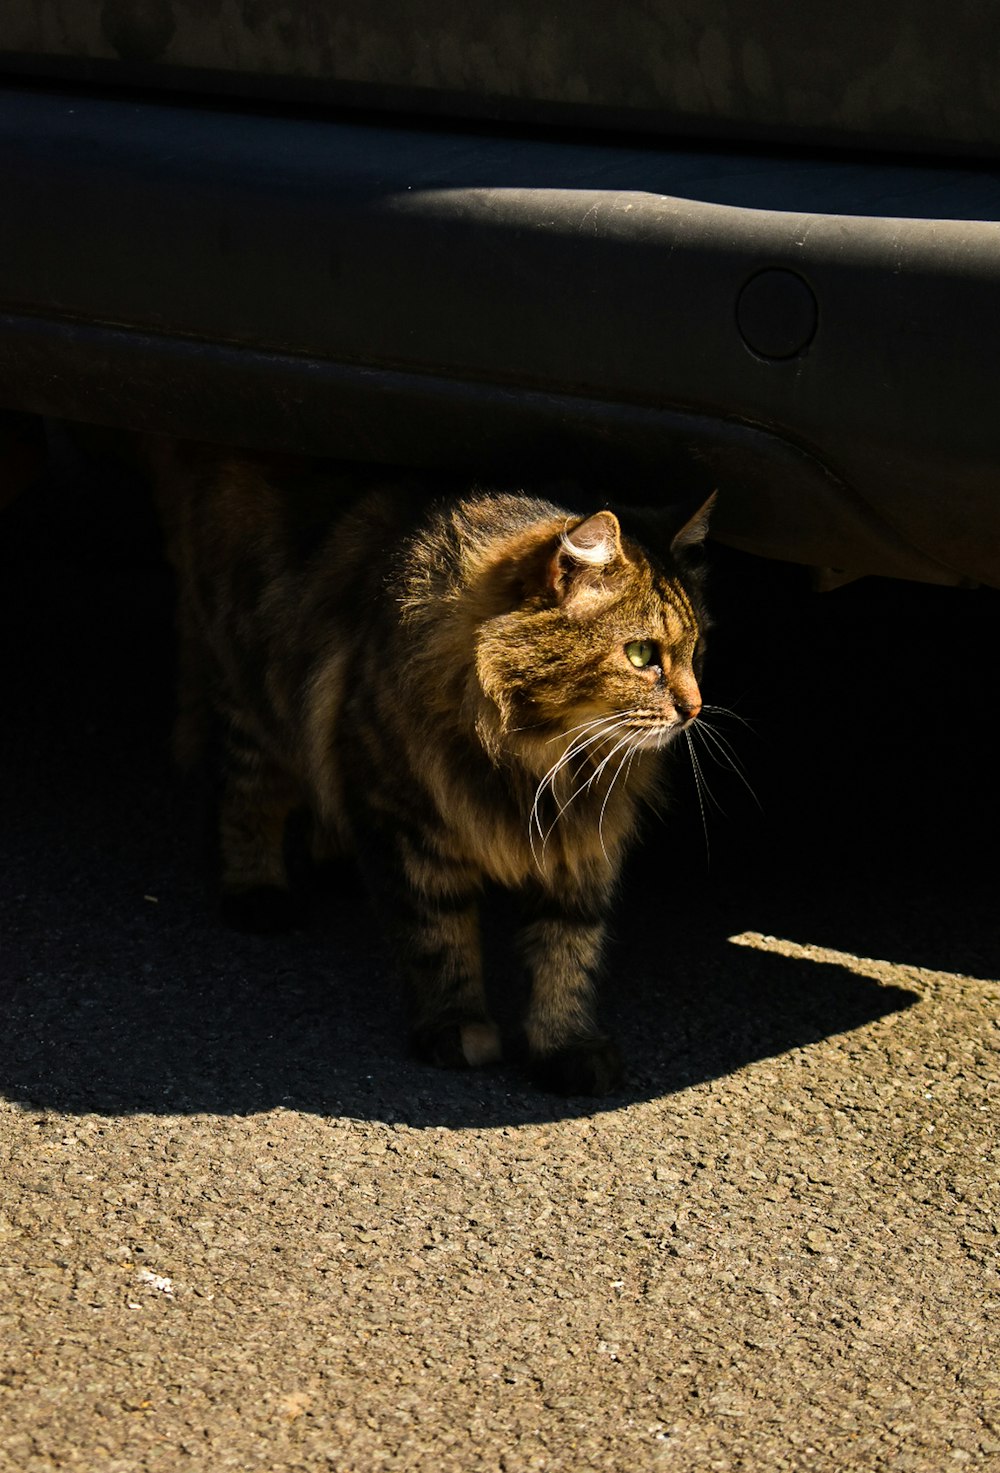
(590, 1066)
(454, 1044)
(261, 910)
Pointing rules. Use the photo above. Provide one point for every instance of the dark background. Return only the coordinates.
(866, 730)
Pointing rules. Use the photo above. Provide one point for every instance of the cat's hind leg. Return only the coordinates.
(451, 1025)
(257, 799)
(193, 721)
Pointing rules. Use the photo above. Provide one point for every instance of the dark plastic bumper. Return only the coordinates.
(817, 339)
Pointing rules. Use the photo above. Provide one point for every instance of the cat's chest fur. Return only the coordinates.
(425, 773)
(517, 831)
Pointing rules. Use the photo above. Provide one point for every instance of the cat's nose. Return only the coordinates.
(687, 710)
(685, 695)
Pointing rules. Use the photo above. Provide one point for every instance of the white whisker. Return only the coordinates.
(697, 783)
(604, 762)
(725, 711)
(707, 787)
(605, 736)
(626, 757)
(583, 726)
(723, 753)
(577, 747)
(631, 759)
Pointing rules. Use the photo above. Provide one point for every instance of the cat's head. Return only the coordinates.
(604, 642)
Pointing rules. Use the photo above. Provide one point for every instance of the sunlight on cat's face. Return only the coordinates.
(668, 698)
(603, 664)
(618, 685)
(643, 689)
(631, 698)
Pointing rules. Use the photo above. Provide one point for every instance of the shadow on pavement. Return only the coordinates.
(121, 992)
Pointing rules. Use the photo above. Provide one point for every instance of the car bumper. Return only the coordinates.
(816, 339)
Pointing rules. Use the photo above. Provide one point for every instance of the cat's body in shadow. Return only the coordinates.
(463, 691)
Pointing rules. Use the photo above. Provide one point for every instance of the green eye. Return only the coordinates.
(641, 652)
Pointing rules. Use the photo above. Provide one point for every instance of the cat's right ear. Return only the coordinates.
(584, 553)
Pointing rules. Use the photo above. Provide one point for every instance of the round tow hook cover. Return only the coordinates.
(776, 314)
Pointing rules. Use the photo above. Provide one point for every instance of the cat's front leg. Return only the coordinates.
(429, 905)
(562, 944)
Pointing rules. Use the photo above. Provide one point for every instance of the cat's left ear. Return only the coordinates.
(584, 552)
(695, 529)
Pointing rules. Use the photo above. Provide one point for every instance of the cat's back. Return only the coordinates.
(281, 566)
(215, 503)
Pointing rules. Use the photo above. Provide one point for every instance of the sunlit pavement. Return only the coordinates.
(239, 1229)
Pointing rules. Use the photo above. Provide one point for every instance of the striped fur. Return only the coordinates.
(447, 688)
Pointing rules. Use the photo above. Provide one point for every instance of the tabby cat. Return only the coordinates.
(476, 690)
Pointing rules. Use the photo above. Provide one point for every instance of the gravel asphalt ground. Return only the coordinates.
(240, 1229)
